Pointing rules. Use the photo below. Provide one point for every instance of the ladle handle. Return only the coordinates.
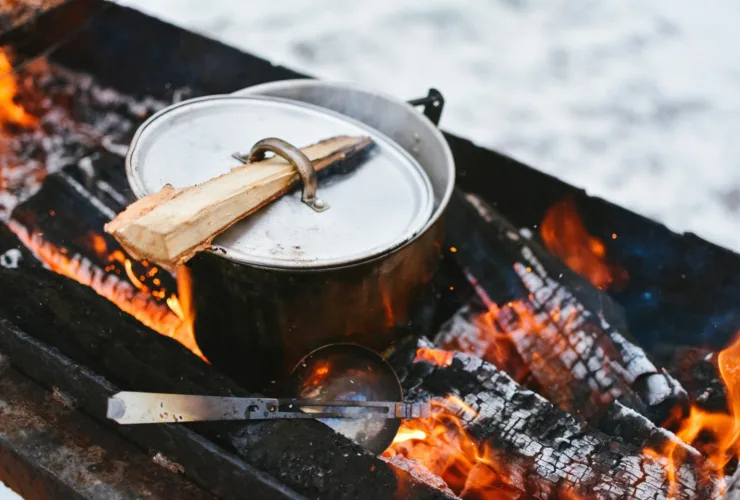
(152, 408)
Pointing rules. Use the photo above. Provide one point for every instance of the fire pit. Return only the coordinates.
(569, 348)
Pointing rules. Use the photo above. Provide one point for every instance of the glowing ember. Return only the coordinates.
(405, 434)
(567, 238)
(173, 317)
(136, 302)
(435, 356)
(443, 446)
(10, 112)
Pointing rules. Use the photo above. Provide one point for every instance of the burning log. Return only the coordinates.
(172, 225)
(571, 335)
(59, 223)
(305, 455)
(698, 372)
(543, 451)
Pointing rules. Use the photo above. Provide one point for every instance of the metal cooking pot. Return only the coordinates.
(261, 302)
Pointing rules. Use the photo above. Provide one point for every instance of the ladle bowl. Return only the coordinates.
(349, 372)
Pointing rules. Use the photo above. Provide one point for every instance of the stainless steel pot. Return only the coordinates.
(254, 319)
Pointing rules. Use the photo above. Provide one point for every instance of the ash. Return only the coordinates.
(77, 119)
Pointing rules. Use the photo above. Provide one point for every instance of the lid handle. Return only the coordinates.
(297, 159)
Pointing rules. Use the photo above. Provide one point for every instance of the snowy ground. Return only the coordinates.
(635, 101)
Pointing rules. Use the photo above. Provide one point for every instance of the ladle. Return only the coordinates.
(349, 372)
(350, 388)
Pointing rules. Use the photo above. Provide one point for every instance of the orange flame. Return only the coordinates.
(494, 336)
(10, 111)
(566, 237)
(717, 434)
(434, 356)
(444, 447)
(182, 305)
(134, 300)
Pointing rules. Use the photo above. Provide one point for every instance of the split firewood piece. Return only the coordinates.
(172, 225)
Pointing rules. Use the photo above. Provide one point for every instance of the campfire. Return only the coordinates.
(537, 384)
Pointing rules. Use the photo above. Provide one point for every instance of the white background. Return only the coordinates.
(635, 101)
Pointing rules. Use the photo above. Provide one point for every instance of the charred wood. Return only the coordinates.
(203, 461)
(49, 450)
(545, 451)
(419, 471)
(17, 12)
(571, 335)
(635, 429)
(697, 370)
(69, 212)
(733, 487)
(305, 456)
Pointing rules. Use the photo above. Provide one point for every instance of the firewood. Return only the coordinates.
(733, 487)
(545, 451)
(698, 371)
(172, 225)
(581, 353)
(60, 331)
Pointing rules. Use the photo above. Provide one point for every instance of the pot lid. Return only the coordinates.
(377, 207)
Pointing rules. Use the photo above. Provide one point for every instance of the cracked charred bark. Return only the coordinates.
(570, 335)
(545, 451)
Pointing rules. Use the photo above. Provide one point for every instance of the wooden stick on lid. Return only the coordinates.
(172, 225)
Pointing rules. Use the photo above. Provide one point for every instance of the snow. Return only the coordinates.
(7, 494)
(634, 101)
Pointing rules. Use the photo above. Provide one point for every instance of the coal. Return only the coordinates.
(733, 487)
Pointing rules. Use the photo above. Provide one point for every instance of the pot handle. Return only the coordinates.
(433, 104)
(297, 159)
